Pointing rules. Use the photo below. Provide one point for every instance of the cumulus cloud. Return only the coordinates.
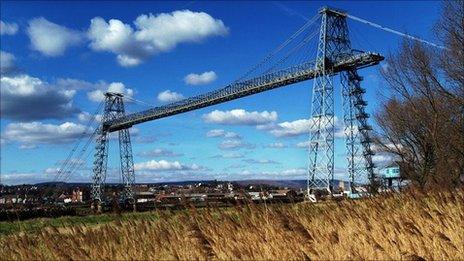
(86, 117)
(240, 117)
(7, 63)
(293, 173)
(116, 87)
(200, 79)
(33, 133)
(8, 28)
(152, 34)
(303, 144)
(232, 144)
(233, 155)
(169, 96)
(382, 159)
(159, 153)
(222, 134)
(276, 145)
(294, 128)
(260, 161)
(299, 127)
(164, 165)
(28, 98)
(27, 147)
(51, 39)
(16, 178)
(76, 84)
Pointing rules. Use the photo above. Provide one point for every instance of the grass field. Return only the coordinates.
(408, 226)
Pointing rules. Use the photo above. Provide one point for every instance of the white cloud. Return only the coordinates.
(303, 144)
(33, 133)
(7, 63)
(27, 146)
(299, 127)
(86, 117)
(152, 34)
(222, 133)
(276, 145)
(76, 84)
(232, 144)
(232, 155)
(8, 28)
(293, 173)
(260, 161)
(116, 87)
(294, 128)
(382, 159)
(42, 100)
(200, 79)
(169, 96)
(15, 178)
(159, 153)
(51, 39)
(164, 165)
(240, 117)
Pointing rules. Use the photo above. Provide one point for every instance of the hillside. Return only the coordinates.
(408, 226)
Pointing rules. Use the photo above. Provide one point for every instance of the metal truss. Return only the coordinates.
(335, 46)
(114, 108)
(334, 56)
(358, 141)
(294, 74)
(127, 163)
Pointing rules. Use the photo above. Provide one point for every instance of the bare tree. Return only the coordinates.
(422, 121)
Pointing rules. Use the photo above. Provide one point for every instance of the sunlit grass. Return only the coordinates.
(395, 227)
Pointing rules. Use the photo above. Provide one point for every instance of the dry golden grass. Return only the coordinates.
(409, 226)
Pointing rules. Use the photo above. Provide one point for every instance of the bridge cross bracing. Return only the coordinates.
(287, 64)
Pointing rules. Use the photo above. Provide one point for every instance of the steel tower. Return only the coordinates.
(334, 45)
(335, 56)
(114, 108)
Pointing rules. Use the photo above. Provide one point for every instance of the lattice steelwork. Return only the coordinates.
(358, 148)
(334, 56)
(334, 45)
(294, 74)
(114, 108)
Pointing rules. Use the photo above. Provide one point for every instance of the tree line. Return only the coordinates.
(421, 117)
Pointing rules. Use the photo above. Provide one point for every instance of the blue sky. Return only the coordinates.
(57, 59)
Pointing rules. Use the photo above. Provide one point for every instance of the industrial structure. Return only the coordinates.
(334, 56)
(289, 63)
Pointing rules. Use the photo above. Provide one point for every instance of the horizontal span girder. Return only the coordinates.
(236, 90)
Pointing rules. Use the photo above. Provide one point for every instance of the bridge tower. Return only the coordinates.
(334, 45)
(114, 108)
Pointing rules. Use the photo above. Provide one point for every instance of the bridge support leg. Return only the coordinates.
(99, 169)
(127, 165)
(321, 142)
(357, 138)
(114, 108)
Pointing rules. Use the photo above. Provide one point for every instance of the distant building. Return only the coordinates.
(254, 195)
(63, 198)
(392, 175)
(145, 196)
(76, 196)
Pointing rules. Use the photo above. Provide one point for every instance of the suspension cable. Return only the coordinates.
(77, 162)
(292, 51)
(395, 32)
(280, 47)
(67, 161)
(138, 101)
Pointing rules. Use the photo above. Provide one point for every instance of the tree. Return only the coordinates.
(422, 121)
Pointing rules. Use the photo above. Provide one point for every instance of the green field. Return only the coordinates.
(37, 224)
